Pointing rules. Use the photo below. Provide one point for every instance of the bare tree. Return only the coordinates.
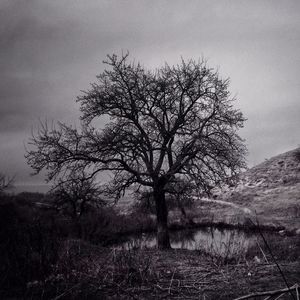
(76, 194)
(174, 122)
(5, 182)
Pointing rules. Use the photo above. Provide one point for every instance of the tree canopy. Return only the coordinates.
(169, 123)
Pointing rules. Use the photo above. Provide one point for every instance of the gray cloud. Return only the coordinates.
(50, 50)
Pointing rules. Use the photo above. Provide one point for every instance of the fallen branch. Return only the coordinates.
(270, 293)
(171, 281)
(67, 291)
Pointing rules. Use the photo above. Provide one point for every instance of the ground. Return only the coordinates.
(100, 273)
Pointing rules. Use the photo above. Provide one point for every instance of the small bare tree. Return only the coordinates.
(5, 182)
(76, 194)
(174, 122)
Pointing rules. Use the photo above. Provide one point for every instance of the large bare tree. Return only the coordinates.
(173, 122)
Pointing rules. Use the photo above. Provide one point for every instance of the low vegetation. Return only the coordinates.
(43, 256)
(47, 253)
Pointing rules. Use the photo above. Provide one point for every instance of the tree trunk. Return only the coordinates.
(163, 240)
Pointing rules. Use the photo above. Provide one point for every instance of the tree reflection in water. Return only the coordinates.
(217, 242)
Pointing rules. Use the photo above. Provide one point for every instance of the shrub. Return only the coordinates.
(297, 155)
(28, 247)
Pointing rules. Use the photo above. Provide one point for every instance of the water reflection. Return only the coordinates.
(216, 241)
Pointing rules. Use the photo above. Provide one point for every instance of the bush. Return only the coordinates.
(36, 248)
(297, 155)
(28, 247)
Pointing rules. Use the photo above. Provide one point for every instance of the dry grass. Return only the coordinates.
(92, 272)
(270, 190)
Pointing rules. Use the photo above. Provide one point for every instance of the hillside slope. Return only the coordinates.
(271, 190)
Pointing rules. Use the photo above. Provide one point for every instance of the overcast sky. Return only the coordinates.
(50, 50)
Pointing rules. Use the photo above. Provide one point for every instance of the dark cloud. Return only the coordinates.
(50, 50)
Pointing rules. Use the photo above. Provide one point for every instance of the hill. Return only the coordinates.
(271, 190)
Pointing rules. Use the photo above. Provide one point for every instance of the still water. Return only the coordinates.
(224, 242)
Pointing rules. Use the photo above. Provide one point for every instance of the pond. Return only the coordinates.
(220, 242)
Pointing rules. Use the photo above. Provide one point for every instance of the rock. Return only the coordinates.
(282, 232)
(257, 259)
(298, 231)
(247, 210)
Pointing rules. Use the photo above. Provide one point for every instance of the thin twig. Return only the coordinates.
(66, 292)
(272, 255)
(268, 293)
(279, 296)
(297, 291)
(171, 281)
(261, 250)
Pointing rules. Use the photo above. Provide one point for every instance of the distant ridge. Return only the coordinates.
(277, 170)
(271, 190)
